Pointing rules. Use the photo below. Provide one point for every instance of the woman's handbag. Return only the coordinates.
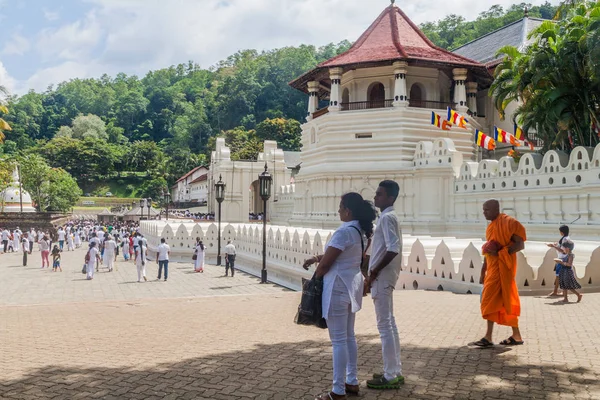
(310, 310)
(195, 257)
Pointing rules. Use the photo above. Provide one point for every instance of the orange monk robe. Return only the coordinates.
(500, 301)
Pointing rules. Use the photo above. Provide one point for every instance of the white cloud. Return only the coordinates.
(51, 15)
(16, 45)
(134, 36)
(74, 41)
(6, 80)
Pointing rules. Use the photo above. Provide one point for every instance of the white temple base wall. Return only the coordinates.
(431, 263)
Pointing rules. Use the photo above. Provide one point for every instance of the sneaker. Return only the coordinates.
(383, 383)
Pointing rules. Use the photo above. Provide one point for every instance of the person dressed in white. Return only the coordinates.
(110, 253)
(140, 260)
(61, 238)
(94, 239)
(32, 238)
(77, 239)
(162, 258)
(91, 259)
(230, 258)
(125, 246)
(16, 239)
(343, 290)
(70, 242)
(199, 253)
(384, 269)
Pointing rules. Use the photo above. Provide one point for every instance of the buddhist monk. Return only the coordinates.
(500, 302)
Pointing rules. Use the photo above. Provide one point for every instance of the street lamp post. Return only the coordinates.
(265, 180)
(167, 201)
(149, 207)
(142, 204)
(219, 196)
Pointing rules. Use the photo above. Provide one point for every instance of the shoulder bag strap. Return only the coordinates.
(362, 244)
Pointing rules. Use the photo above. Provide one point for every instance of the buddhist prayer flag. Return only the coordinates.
(485, 141)
(519, 134)
(502, 136)
(436, 120)
(457, 119)
(528, 143)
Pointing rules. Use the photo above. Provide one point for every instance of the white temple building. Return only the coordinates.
(14, 199)
(377, 125)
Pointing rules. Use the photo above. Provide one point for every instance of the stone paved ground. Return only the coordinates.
(64, 338)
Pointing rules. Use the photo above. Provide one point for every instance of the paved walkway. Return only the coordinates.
(32, 285)
(111, 339)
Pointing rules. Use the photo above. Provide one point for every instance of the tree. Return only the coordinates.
(154, 188)
(63, 191)
(4, 126)
(556, 81)
(51, 189)
(86, 159)
(143, 156)
(287, 133)
(89, 127)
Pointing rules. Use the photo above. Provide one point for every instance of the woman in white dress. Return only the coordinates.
(199, 253)
(110, 253)
(16, 240)
(140, 260)
(90, 260)
(77, 239)
(70, 243)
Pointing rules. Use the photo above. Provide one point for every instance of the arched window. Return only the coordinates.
(346, 96)
(417, 95)
(376, 95)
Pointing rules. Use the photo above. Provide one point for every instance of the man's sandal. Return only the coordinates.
(482, 343)
(511, 342)
(331, 396)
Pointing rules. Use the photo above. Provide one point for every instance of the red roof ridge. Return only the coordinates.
(396, 33)
(361, 38)
(403, 53)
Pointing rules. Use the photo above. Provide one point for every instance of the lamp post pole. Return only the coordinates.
(149, 207)
(265, 179)
(168, 197)
(219, 196)
(142, 204)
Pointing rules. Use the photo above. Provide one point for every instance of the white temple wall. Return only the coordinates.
(442, 195)
(427, 263)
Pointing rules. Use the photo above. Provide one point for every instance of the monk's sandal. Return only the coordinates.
(382, 383)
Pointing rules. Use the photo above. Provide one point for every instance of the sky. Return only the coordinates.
(45, 42)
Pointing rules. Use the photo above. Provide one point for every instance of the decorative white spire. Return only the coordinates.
(15, 176)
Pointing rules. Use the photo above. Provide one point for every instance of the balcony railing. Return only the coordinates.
(366, 105)
(435, 105)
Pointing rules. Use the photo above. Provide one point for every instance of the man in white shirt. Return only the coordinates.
(384, 269)
(61, 238)
(5, 236)
(230, 255)
(162, 258)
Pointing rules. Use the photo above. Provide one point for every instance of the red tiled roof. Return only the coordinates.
(393, 36)
(200, 179)
(189, 173)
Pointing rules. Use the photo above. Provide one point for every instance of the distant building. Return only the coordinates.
(191, 187)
